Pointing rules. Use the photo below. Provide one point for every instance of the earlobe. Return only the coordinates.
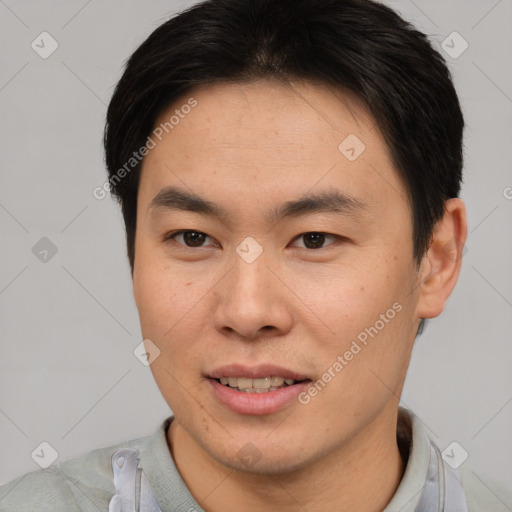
(441, 264)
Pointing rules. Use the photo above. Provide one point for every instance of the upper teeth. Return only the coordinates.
(263, 383)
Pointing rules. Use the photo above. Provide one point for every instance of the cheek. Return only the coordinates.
(171, 308)
(157, 288)
(369, 320)
(151, 294)
(348, 301)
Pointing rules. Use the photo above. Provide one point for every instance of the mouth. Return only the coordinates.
(260, 385)
(264, 389)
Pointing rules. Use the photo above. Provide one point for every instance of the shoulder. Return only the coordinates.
(82, 484)
(484, 494)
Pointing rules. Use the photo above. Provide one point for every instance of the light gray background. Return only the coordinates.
(69, 326)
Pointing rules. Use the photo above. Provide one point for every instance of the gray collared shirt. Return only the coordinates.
(92, 483)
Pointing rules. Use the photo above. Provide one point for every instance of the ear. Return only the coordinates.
(440, 266)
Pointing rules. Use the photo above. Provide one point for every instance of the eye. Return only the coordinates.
(190, 238)
(194, 239)
(315, 239)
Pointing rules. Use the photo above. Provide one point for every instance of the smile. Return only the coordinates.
(262, 385)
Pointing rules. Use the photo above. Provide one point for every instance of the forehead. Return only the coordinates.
(267, 139)
(276, 112)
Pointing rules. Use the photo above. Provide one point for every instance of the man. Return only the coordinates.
(289, 176)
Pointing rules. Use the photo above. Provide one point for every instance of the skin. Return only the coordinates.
(249, 148)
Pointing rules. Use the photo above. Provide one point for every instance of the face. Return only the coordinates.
(274, 240)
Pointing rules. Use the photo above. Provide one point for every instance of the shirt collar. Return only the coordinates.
(413, 439)
(172, 493)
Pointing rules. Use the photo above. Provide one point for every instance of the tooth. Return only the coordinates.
(256, 385)
(244, 383)
(261, 383)
(276, 381)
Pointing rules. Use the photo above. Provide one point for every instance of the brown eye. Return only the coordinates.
(190, 238)
(314, 239)
(193, 238)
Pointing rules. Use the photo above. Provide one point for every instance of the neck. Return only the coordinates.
(360, 476)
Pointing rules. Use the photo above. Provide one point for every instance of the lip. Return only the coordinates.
(255, 372)
(257, 404)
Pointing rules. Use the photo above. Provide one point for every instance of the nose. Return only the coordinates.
(252, 301)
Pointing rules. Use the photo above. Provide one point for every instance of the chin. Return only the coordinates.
(266, 463)
(261, 456)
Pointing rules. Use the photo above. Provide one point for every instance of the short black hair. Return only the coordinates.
(360, 46)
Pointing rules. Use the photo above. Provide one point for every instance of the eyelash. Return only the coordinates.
(171, 237)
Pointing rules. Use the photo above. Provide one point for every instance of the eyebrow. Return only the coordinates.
(329, 201)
